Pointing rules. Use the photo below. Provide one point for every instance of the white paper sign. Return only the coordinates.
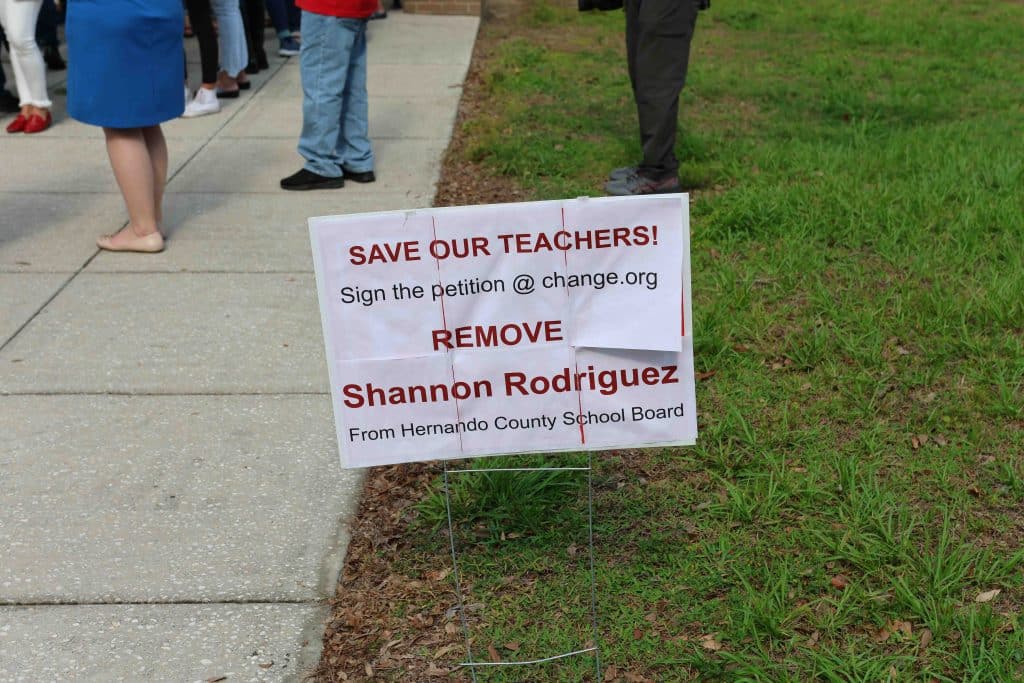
(507, 328)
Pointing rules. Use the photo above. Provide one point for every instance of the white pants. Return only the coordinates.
(18, 17)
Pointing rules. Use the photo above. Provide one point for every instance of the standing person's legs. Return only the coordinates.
(136, 175)
(663, 31)
(278, 16)
(205, 100)
(156, 145)
(19, 22)
(354, 150)
(278, 11)
(46, 25)
(252, 16)
(326, 45)
(3, 39)
(200, 13)
(294, 16)
(231, 36)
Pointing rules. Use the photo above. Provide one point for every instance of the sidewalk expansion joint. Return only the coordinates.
(168, 603)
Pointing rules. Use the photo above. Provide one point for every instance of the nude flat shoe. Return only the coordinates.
(148, 244)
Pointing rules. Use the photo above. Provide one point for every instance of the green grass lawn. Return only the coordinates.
(858, 291)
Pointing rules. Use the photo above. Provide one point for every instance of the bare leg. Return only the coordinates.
(157, 147)
(134, 170)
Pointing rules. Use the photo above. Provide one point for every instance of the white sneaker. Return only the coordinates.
(205, 102)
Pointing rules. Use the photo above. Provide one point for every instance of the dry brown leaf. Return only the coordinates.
(266, 665)
(904, 627)
(840, 581)
(638, 634)
(493, 652)
(636, 678)
(435, 670)
(988, 596)
(514, 647)
(451, 628)
(446, 649)
(926, 638)
(709, 643)
(611, 673)
(216, 679)
(704, 376)
(439, 575)
(368, 669)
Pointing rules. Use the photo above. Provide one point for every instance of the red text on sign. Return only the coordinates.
(360, 255)
(578, 240)
(512, 334)
(466, 247)
(605, 382)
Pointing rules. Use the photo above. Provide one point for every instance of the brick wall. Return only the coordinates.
(470, 7)
(487, 8)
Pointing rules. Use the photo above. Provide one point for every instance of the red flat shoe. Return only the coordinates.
(18, 124)
(37, 124)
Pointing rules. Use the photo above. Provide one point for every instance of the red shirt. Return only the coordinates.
(350, 9)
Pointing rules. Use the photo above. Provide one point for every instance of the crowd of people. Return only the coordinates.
(230, 34)
(127, 74)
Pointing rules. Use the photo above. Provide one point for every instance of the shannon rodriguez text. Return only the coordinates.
(514, 383)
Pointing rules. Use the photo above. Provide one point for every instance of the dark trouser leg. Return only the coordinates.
(294, 15)
(201, 15)
(252, 16)
(3, 77)
(278, 17)
(46, 25)
(658, 35)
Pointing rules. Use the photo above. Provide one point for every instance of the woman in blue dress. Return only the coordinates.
(125, 73)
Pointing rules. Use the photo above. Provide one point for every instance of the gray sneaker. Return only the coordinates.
(637, 184)
(622, 172)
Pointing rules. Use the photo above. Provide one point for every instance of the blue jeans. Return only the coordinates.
(335, 111)
(234, 54)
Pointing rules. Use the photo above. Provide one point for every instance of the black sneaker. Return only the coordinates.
(359, 177)
(54, 62)
(8, 103)
(637, 184)
(307, 180)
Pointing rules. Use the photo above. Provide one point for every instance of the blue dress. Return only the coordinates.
(126, 63)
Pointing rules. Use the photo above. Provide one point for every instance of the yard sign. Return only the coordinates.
(508, 328)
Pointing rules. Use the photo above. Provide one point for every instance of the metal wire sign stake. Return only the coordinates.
(470, 662)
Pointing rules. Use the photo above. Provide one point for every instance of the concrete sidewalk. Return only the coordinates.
(171, 504)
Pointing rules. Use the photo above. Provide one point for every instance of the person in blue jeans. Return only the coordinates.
(335, 138)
